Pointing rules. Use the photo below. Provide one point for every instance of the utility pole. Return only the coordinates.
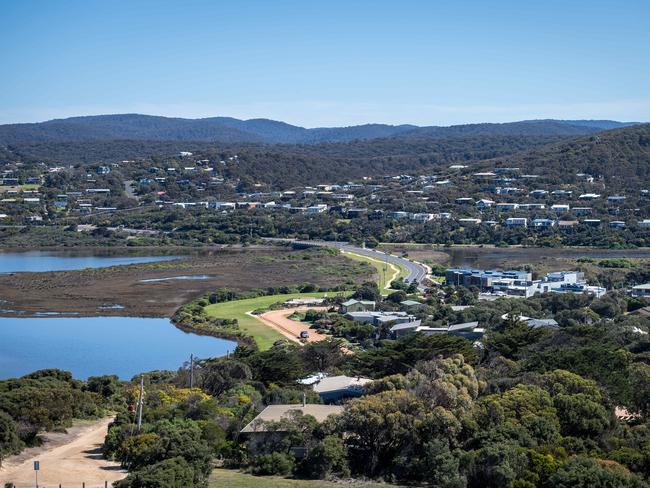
(191, 371)
(140, 402)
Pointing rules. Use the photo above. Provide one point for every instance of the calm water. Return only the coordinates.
(13, 262)
(93, 346)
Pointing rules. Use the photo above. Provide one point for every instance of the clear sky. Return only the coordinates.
(327, 63)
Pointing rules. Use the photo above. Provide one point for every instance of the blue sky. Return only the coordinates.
(325, 63)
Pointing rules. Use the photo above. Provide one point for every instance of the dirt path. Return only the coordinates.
(291, 329)
(70, 460)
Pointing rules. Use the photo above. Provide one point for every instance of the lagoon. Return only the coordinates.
(38, 261)
(91, 346)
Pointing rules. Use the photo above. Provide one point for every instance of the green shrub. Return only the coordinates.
(276, 463)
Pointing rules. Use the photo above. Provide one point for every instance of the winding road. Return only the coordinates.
(417, 271)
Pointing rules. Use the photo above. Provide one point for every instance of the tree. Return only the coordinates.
(170, 473)
(640, 387)
(274, 463)
(433, 464)
(583, 472)
(106, 385)
(9, 441)
(220, 375)
(379, 427)
(280, 364)
(368, 291)
(399, 356)
(328, 457)
(323, 355)
(496, 466)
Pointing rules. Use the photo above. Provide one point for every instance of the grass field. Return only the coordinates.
(386, 272)
(264, 335)
(234, 479)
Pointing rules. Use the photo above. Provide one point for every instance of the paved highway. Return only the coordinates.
(417, 271)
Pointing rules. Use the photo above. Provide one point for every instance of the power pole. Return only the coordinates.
(191, 371)
(140, 402)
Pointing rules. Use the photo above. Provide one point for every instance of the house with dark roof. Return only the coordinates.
(333, 389)
(353, 305)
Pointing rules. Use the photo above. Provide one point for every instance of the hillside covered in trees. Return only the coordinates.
(228, 129)
(614, 155)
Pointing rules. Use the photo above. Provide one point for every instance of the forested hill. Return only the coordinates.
(620, 156)
(228, 130)
(287, 165)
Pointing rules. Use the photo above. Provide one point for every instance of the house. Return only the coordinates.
(422, 217)
(616, 198)
(482, 279)
(464, 200)
(411, 305)
(264, 428)
(516, 222)
(531, 322)
(567, 224)
(379, 318)
(405, 328)
(543, 223)
(542, 324)
(333, 389)
(316, 209)
(507, 206)
(487, 175)
(581, 210)
(469, 330)
(617, 224)
(645, 223)
(641, 290)
(562, 193)
(560, 208)
(532, 206)
(469, 221)
(353, 305)
(591, 222)
(484, 203)
(356, 212)
(589, 196)
(538, 193)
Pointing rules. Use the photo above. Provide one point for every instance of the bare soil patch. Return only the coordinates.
(69, 459)
(291, 329)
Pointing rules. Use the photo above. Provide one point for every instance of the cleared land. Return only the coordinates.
(68, 459)
(236, 479)
(279, 320)
(84, 292)
(264, 335)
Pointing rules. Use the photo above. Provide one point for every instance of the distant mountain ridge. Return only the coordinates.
(229, 130)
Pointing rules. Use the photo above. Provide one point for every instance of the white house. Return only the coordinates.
(516, 222)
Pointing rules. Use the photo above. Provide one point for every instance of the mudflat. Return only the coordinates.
(158, 289)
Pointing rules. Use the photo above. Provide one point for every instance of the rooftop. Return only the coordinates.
(275, 413)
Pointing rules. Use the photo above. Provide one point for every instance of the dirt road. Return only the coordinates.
(77, 460)
(291, 329)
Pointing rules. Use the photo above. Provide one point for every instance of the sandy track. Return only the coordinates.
(291, 329)
(72, 463)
